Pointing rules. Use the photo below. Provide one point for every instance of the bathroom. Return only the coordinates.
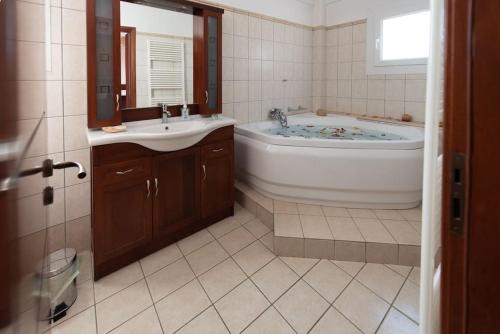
(226, 166)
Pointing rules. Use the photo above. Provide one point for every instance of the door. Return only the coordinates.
(123, 199)
(217, 184)
(471, 193)
(176, 198)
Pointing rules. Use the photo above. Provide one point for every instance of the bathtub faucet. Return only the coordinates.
(278, 114)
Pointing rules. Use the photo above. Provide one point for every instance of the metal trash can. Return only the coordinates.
(58, 276)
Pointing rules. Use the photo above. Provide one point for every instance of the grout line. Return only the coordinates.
(151, 296)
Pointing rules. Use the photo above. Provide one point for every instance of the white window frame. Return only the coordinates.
(374, 63)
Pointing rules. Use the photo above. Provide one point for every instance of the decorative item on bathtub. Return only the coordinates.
(333, 132)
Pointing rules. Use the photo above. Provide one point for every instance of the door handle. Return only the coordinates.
(206, 97)
(117, 102)
(204, 172)
(147, 185)
(125, 171)
(156, 186)
(218, 150)
(48, 166)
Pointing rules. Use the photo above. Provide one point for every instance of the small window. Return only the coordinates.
(398, 40)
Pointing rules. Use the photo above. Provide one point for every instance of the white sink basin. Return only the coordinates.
(172, 136)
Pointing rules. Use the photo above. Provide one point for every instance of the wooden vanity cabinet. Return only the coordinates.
(143, 200)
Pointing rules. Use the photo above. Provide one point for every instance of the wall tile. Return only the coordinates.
(241, 24)
(82, 156)
(75, 132)
(241, 91)
(227, 22)
(74, 27)
(345, 35)
(227, 68)
(240, 47)
(240, 69)
(227, 45)
(255, 27)
(255, 69)
(75, 97)
(415, 90)
(227, 91)
(255, 48)
(267, 29)
(74, 62)
(376, 89)
(77, 201)
(395, 90)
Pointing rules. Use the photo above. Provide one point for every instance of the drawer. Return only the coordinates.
(117, 172)
(215, 150)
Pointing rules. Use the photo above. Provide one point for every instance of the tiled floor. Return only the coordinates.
(314, 231)
(226, 279)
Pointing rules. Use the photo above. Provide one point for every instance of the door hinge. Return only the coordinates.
(458, 194)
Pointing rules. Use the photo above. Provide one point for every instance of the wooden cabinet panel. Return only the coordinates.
(217, 185)
(176, 200)
(122, 210)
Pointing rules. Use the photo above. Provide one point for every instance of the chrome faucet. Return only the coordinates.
(278, 114)
(166, 114)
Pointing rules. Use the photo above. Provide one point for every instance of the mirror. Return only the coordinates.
(156, 50)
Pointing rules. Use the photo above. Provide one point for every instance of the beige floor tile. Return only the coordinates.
(409, 255)
(286, 207)
(243, 215)
(169, 279)
(397, 323)
(407, 301)
(117, 281)
(274, 279)
(350, 251)
(145, 322)
(195, 241)
(301, 306)
(388, 214)
(412, 214)
(343, 228)
(160, 259)
(182, 306)
(417, 225)
(293, 247)
(352, 268)
(327, 279)
(315, 227)
(308, 209)
(381, 280)
(253, 257)
(223, 227)
(266, 217)
(362, 213)
(206, 257)
(122, 306)
(257, 228)
(268, 241)
(299, 265)
(270, 322)
(334, 322)
(236, 240)
(221, 279)
(330, 211)
(208, 322)
(374, 231)
(83, 323)
(402, 231)
(319, 248)
(287, 226)
(414, 276)
(362, 307)
(402, 270)
(241, 306)
(381, 253)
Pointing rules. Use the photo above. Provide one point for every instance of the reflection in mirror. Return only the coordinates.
(156, 56)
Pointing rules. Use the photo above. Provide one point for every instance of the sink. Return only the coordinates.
(175, 135)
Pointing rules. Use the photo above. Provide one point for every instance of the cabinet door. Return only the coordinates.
(123, 197)
(176, 192)
(208, 64)
(217, 178)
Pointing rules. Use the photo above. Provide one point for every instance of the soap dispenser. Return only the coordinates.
(185, 112)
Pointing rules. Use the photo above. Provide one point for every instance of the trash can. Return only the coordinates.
(58, 276)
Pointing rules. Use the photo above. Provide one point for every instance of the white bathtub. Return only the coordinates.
(356, 174)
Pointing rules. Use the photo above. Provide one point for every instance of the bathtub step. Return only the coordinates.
(365, 235)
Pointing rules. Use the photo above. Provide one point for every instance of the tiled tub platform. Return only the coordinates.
(312, 231)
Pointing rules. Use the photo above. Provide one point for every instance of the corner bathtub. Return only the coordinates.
(375, 174)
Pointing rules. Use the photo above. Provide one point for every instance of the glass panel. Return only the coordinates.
(104, 60)
(406, 37)
(212, 63)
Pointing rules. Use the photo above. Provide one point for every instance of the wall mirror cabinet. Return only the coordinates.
(144, 53)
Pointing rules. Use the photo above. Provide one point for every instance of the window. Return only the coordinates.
(398, 39)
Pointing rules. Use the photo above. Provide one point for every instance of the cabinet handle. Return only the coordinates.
(217, 150)
(204, 172)
(156, 187)
(117, 102)
(206, 97)
(148, 184)
(125, 171)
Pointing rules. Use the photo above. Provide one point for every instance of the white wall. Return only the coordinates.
(296, 11)
(155, 20)
(343, 11)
